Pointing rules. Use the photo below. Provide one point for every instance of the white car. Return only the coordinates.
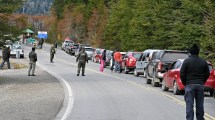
(17, 49)
(65, 43)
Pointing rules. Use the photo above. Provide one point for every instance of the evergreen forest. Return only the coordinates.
(138, 24)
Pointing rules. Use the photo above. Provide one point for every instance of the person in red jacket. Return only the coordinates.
(118, 59)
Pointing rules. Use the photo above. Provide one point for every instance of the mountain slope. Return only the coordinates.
(36, 7)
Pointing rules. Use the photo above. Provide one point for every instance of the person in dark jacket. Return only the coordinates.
(82, 58)
(52, 52)
(194, 73)
(6, 57)
(113, 61)
(104, 57)
(32, 63)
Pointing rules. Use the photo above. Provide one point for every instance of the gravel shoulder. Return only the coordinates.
(25, 97)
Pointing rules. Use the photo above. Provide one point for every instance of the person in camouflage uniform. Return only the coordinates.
(52, 52)
(6, 57)
(81, 59)
(32, 63)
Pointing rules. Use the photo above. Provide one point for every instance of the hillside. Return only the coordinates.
(36, 7)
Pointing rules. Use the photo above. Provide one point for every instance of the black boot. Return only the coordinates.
(83, 75)
(78, 74)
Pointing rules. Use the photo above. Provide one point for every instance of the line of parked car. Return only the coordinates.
(159, 67)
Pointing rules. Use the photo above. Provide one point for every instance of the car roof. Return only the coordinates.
(88, 47)
(123, 52)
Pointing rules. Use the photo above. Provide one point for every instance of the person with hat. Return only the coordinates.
(82, 59)
(32, 63)
(194, 73)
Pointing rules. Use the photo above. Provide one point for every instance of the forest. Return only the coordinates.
(124, 24)
(138, 24)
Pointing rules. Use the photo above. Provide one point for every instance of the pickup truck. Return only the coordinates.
(159, 64)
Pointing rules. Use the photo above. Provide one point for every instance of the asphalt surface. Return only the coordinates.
(25, 97)
(112, 96)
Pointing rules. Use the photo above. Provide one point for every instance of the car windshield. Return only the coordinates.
(68, 41)
(88, 49)
(173, 56)
(98, 51)
(137, 55)
(17, 47)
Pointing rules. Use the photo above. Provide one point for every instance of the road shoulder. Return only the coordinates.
(25, 97)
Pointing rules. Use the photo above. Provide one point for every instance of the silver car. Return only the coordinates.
(89, 51)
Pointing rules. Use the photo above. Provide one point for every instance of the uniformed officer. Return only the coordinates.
(81, 59)
(32, 63)
(52, 52)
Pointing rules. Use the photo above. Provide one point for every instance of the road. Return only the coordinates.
(112, 96)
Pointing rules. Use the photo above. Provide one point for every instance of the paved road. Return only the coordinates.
(111, 96)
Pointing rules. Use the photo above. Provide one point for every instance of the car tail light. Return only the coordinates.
(160, 66)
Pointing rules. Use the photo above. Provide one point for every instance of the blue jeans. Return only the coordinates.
(194, 91)
(117, 66)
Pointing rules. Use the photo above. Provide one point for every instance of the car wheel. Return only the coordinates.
(176, 91)
(104, 65)
(155, 84)
(211, 93)
(126, 70)
(144, 74)
(135, 73)
(163, 87)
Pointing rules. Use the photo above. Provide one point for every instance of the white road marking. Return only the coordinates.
(69, 104)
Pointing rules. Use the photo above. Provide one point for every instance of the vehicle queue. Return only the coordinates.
(158, 67)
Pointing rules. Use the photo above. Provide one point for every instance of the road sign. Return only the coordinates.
(42, 34)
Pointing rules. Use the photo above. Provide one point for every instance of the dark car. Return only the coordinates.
(172, 80)
(72, 49)
(160, 62)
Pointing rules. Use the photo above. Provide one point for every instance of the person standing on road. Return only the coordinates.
(32, 63)
(81, 59)
(52, 52)
(118, 59)
(6, 57)
(103, 59)
(42, 42)
(194, 73)
(113, 61)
